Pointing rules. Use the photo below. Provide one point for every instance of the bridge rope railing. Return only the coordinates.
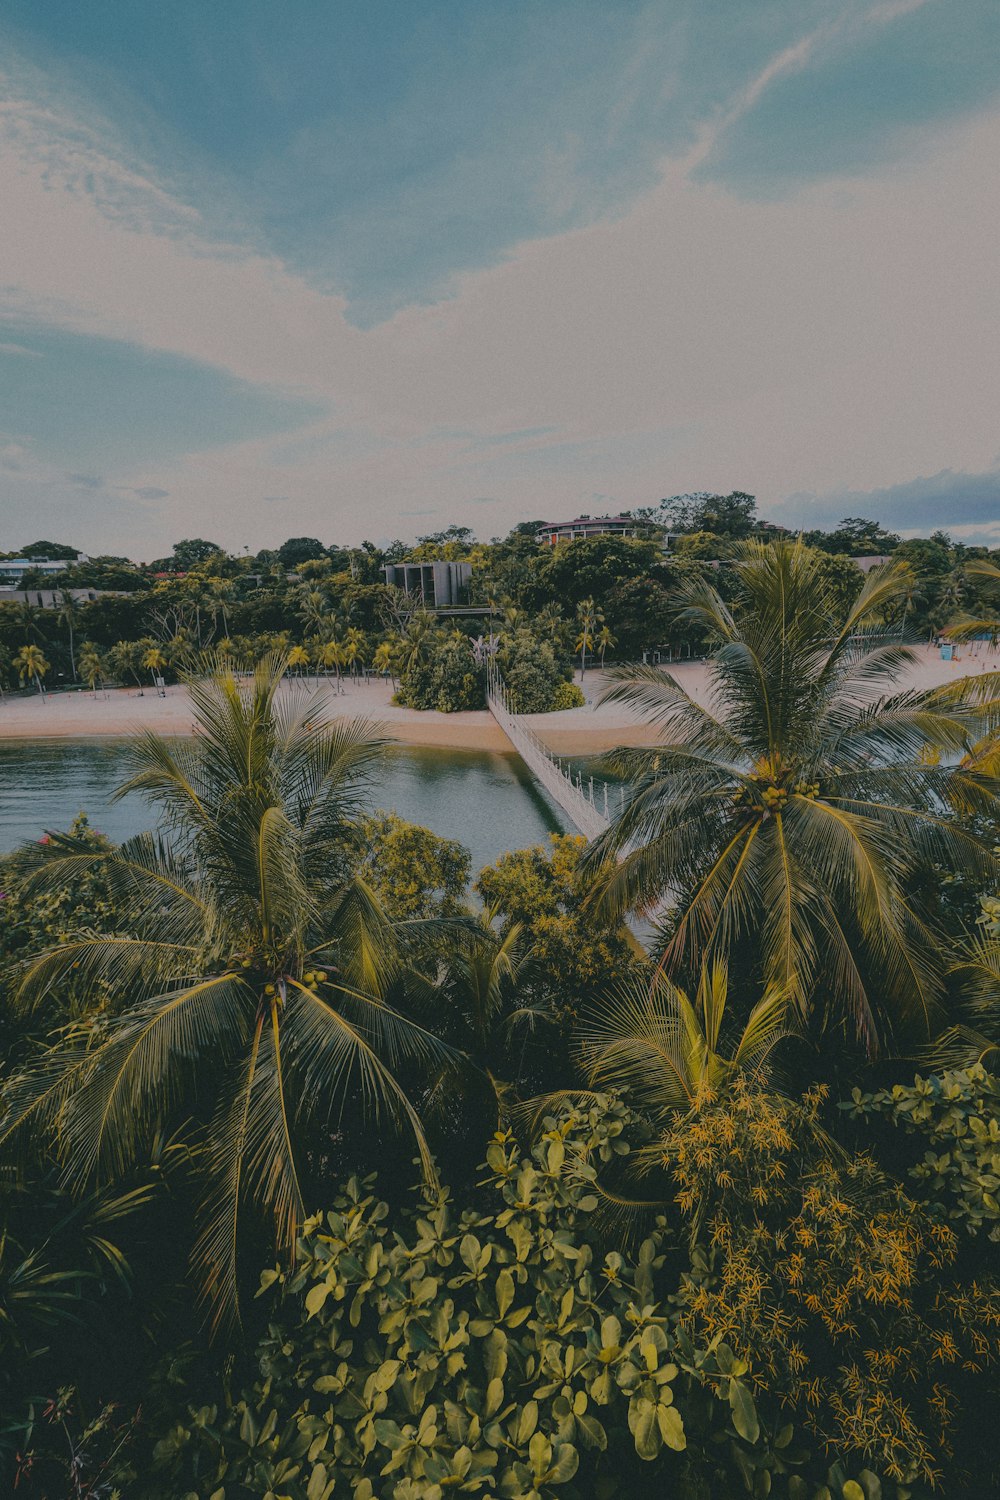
(577, 801)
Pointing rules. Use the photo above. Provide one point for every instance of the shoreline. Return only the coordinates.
(118, 713)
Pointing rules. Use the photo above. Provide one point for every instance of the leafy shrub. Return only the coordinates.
(568, 695)
(412, 871)
(531, 672)
(837, 1289)
(957, 1116)
(447, 679)
(494, 1351)
(545, 891)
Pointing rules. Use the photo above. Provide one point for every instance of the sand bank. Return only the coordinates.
(590, 730)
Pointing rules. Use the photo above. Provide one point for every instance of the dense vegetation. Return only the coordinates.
(327, 1172)
(545, 611)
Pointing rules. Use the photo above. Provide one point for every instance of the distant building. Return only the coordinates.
(438, 585)
(13, 569)
(55, 598)
(867, 563)
(554, 532)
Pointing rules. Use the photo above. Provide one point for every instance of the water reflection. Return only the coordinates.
(487, 801)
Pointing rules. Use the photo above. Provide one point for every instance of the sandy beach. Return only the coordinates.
(596, 727)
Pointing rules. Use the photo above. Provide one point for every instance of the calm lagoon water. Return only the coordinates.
(486, 801)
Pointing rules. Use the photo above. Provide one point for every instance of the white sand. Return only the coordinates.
(575, 731)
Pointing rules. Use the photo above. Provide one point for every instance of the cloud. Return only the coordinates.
(482, 500)
(821, 343)
(150, 492)
(87, 481)
(936, 502)
(19, 349)
(861, 91)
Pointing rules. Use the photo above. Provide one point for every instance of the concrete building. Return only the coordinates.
(554, 532)
(13, 569)
(54, 598)
(438, 585)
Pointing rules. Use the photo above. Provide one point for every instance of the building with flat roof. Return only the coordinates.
(438, 585)
(13, 569)
(554, 532)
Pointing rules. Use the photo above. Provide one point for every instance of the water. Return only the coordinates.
(485, 800)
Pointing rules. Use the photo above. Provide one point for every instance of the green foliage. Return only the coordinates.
(412, 871)
(247, 995)
(446, 678)
(532, 673)
(835, 1287)
(544, 891)
(494, 1348)
(795, 815)
(567, 695)
(956, 1116)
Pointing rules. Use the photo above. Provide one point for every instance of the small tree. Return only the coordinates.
(31, 666)
(91, 665)
(154, 661)
(588, 618)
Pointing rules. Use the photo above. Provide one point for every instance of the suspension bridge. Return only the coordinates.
(587, 811)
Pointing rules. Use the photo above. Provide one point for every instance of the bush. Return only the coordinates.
(412, 871)
(531, 672)
(955, 1118)
(496, 1349)
(568, 695)
(447, 680)
(544, 890)
(837, 1288)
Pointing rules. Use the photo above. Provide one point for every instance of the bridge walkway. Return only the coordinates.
(588, 813)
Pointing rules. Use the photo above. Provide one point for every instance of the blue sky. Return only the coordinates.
(327, 267)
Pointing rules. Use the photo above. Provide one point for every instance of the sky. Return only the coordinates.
(357, 271)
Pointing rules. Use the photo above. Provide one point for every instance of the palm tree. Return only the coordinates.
(651, 1043)
(416, 640)
(480, 1010)
(91, 665)
(356, 646)
(983, 624)
(588, 617)
(298, 659)
(795, 812)
(31, 666)
(605, 641)
(313, 608)
(382, 658)
(333, 654)
(69, 613)
(248, 968)
(154, 661)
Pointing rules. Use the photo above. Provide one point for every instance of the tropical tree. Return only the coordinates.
(252, 973)
(333, 654)
(125, 659)
(605, 641)
(793, 815)
(588, 618)
(355, 648)
(154, 661)
(91, 665)
(382, 659)
(662, 1051)
(980, 624)
(417, 640)
(298, 659)
(31, 666)
(69, 614)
